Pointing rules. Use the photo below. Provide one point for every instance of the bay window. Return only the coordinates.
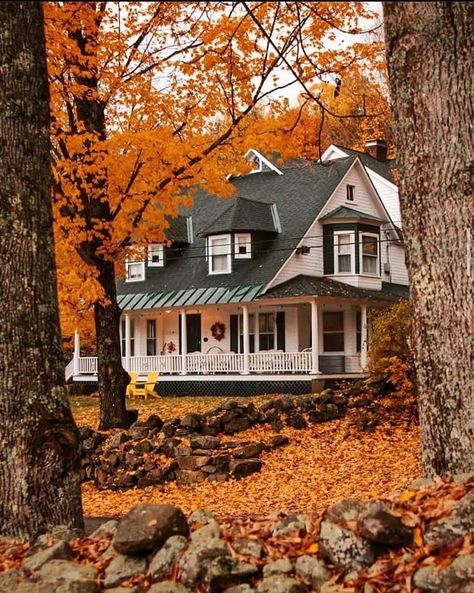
(344, 252)
(369, 253)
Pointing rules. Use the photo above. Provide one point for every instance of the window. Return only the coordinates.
(135, 271)
(358, 331)
(350, 192)
(369, 248)
(132, 337)
(156, 255)
(251, 333)
(266, 327)
(344, 252)
(242, 246)
(219, 252)
(151, 337)
(333, 331)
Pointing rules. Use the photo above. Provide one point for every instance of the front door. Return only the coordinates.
(193, 331)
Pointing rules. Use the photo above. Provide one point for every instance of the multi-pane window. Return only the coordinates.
(156, 255)
(219, 254)
(251, 332)
(344, 253)
(333, 331)
(242, 246)
(266, 328)
(151, 337)
(132, 337)
(135, 271)
(369, 246)
(350, 192)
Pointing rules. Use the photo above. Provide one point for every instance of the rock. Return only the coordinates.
(107, 528)
(282, 566)
(244, 588)
(122, 568)
(58, 551)
(204, 442)
(151, 477)
(118, 439)
(346, 510)
(421, 484)
(279, 583)
(248, 547)
(345, 549)
(153, 421)
(58, 533)
(455, 578)
(138, 432)
(147, 527)
(236, 425)
(168, 429)
(428, 578)
(290, 524)
(123, 590)
(312, 570)
(224, 571)
(191, 420)
(245, 467)
(164, 559)
(9, 580)
(205, 534)
(248, 451)
(377, 525)
(68, 577)
(296, 421)
(201, 517)
(456, 525)
(278, 440)
(168, 587)
(186, 477)
(192, 462)
(204, 548)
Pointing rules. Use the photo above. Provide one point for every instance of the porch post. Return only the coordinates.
(128, 343)
(77, 353)
(246, 338)
(314, 339)
(363, 337)
(184, 342)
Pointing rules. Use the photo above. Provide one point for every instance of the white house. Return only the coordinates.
(270, 290)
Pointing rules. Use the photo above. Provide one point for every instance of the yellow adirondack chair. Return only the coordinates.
(130, 386)
(143, 386)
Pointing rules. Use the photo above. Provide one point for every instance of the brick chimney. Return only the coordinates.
(377, 149)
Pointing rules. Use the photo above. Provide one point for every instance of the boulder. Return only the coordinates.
(123, 568)
(58, 551)
(168, 587)
(290, 524)
(281, 566)
(244, 588)
(68, 577)
(296, 421)
(147, 527)
(312, 570)
(456, 525)
(279, 583)
(192, 462)
(456, 578)
(224, 571)
(118, 439)
(344, 548)
(191, 420)
(245, 467)
(205, 546)
(164, 559)
(377, 525)
(248, 451)
(248, 547)
(204, 442)
(186, 477)
(201, 517)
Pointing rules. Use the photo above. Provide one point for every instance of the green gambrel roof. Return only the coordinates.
(345, 212)
(192, 296)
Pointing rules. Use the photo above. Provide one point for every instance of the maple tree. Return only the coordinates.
(146, 99)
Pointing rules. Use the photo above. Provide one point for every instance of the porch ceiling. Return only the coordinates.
(326, 287)
(192, 296)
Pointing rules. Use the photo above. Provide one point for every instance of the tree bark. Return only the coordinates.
(429, 54)
(39, 462)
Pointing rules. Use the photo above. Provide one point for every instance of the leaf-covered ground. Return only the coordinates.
(322, 464)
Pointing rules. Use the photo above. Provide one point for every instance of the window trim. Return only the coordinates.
(128, 263)
(352, 192)
(334, 332)
(361, 255)
(336, 252)
(228, 254)
(247, 242)
(161, 254)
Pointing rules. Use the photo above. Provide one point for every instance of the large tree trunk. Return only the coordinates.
(39, 470)
(113, 379)
(429, 53)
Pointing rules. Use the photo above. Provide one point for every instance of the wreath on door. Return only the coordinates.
(218, 330)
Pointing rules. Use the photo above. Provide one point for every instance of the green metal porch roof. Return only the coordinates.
(190, 297)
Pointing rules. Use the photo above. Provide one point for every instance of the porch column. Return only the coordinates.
(246, 338)
(314, 339)
(128, 343)
(77, 353)
(184, 342)
(363, 337)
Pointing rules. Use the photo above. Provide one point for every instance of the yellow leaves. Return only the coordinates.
(312, 549)
(417, 537)
(407, 495)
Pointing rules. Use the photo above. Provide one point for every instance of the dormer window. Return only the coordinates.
(350, 192)
(242, 246)
(135, 271)
(344, 252)
(369, 253)
(156, 255)
(219, 254)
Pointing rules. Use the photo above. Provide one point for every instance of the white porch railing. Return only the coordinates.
(280, 362)
(69, 372)
(222, 363)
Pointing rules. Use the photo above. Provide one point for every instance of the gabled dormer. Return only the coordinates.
(260, 163)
